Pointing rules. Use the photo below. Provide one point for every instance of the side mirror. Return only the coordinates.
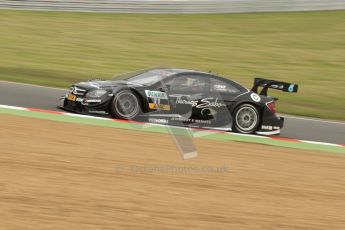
(164, 89)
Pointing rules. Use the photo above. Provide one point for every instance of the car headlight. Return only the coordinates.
(96, 93)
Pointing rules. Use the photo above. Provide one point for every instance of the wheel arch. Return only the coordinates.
(258, 106)
(142, 101)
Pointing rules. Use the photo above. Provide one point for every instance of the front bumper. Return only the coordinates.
(85, 105)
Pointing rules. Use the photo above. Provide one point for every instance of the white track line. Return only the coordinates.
(32, 85)
(321, 143)
(85, 116)
(313, 119)
(12, 107)
(248, 135)
(197, 134)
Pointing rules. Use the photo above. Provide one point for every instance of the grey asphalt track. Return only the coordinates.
(25, 95)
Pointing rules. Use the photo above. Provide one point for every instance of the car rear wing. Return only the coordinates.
(272, 84)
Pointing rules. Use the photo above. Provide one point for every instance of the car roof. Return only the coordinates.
(179, 70)
(175, 71)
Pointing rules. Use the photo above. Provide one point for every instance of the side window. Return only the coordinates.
(169, 82)
(189, 83)
(220, 86)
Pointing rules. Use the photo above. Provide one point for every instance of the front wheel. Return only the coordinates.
(246, 119)
(125, 105)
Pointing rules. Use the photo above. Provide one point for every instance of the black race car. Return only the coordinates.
(182, 97)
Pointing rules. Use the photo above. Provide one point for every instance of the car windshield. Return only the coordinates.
(146, 77)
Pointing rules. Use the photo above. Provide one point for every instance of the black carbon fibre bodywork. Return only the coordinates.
(179, 97)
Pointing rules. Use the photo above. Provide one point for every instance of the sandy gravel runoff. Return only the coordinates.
(65, 176)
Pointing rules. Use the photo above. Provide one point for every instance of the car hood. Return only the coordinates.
(103, 84)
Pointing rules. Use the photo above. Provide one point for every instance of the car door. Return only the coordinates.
(224, 93)
(176, 94)
(186, 92)
(177, 98)
(190, 97)
(201, 100)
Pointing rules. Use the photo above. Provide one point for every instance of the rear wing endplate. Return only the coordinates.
(272, 84)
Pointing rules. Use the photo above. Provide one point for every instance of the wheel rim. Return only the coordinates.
(246, 118)
(126, 105)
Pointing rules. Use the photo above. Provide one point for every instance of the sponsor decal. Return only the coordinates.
(255, 97)
(158, 120)
(159, 106)
(93, 101)
(206, 102)
(291, 88)
(156, 94)
(98, 112)
(191, 120)
(219, 87)
(208, 112)
(277, 86)
(71, 97)
(269, 127)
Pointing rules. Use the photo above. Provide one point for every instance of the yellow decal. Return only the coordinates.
(159, 106)
(71, 97)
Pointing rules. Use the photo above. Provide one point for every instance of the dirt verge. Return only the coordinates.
(65, 176)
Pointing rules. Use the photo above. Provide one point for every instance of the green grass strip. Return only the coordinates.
(162, 129)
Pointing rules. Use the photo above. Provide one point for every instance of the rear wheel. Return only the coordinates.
(125, 105)
(246, 119)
